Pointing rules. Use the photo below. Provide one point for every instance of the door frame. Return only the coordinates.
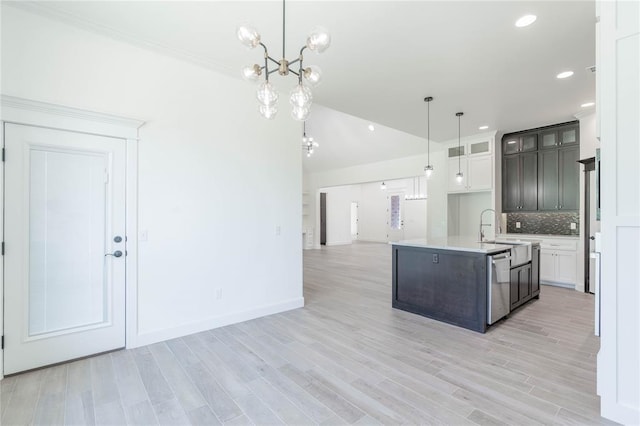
(53, 116)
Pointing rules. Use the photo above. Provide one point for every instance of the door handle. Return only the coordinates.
(116, 253)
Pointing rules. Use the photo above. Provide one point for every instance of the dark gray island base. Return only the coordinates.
(446, 285)
(462, 282)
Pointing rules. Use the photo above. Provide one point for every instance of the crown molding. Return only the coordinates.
(48, 10)
(30, 112)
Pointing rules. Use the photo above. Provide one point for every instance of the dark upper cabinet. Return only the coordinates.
(519, 182)
(520, 143)
(559, 137)
(558, 179)
(540, 169)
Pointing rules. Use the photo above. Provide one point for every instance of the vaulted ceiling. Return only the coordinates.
(386, 56)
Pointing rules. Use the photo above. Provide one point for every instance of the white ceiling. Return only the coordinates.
(385, 57)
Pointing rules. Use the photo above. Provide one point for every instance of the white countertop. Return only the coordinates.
(455, 243)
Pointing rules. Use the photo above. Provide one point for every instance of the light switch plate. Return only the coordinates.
(573, 225)
(518, 225)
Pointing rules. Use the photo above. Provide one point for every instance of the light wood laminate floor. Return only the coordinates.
(346, 357)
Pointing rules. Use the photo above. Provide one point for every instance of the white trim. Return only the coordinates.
(43, 114)
(219, 321)
(2, 262)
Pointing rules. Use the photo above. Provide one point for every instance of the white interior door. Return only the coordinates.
(64, 229)
(395, 217)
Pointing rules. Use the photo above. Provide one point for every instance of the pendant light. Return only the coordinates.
(459, 175)
(383, 186)
(307, 141)
(428, 169)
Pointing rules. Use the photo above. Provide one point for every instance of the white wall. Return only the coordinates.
(338, 214)
(215, 179)
(619, 108)
(375, 173)
(464, 215)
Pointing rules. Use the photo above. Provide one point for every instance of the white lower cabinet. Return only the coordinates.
(559, 262)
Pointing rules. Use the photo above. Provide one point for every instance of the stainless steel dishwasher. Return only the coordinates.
(498, 286)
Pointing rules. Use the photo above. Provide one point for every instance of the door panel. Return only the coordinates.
(529, 163)
(511, 183)
(548, 178)
(395, 217)
(569, 178)
(64, 201)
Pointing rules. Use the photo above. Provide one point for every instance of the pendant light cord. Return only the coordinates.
(283, 28)
(428, 134)
(459, 154)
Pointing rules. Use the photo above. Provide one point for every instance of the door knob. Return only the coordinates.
(116, 253)
(592, 238)
(117, 239)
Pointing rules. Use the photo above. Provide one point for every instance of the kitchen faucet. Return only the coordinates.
(495, 217)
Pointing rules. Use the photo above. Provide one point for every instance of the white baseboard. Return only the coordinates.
(555, 284)
(156, 336)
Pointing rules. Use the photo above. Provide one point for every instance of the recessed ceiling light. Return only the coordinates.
(371, 127)
(588, 104)
(565, 74)
(526, 20)
(483, 127)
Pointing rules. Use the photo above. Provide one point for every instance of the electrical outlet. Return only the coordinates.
(218, 293)
(573, 226)
(278, 230)
(518, 225)
(435, 258)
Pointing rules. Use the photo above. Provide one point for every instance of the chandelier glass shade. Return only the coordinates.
(300, 96)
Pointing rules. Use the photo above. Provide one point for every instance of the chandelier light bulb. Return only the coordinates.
(313, 75)
(251, 72)
(267, 94)
(319, 40)
(428, 171)
(268, 111)
(248, 36)
(459, 177)
(301, 96)
(300, 113)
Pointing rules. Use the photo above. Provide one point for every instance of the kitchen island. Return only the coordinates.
(447, 279)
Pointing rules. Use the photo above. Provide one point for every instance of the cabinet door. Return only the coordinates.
(548, 139)
(514, 288)
(480, 173)
(510, 145)
(529, 186)
(511, 183)
(569, 178)
(529, 142)
(524, 283)
(566, 267)
(548, 180)
(452, 170)
(547, 265)
(568, 135)
(535, 271)
(477, 148)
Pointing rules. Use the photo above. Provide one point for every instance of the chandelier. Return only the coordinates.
(300, 97)
(307, 142)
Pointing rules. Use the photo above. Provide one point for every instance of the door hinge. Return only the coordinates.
(2, 345)
(3, 248)
(3, 154)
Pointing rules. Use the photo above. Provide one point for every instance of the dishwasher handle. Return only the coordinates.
(501, 256)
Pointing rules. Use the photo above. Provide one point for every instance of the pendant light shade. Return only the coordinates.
(428, 169)
(383, 186)
(459, 175)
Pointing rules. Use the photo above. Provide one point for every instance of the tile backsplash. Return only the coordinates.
(543, 223)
